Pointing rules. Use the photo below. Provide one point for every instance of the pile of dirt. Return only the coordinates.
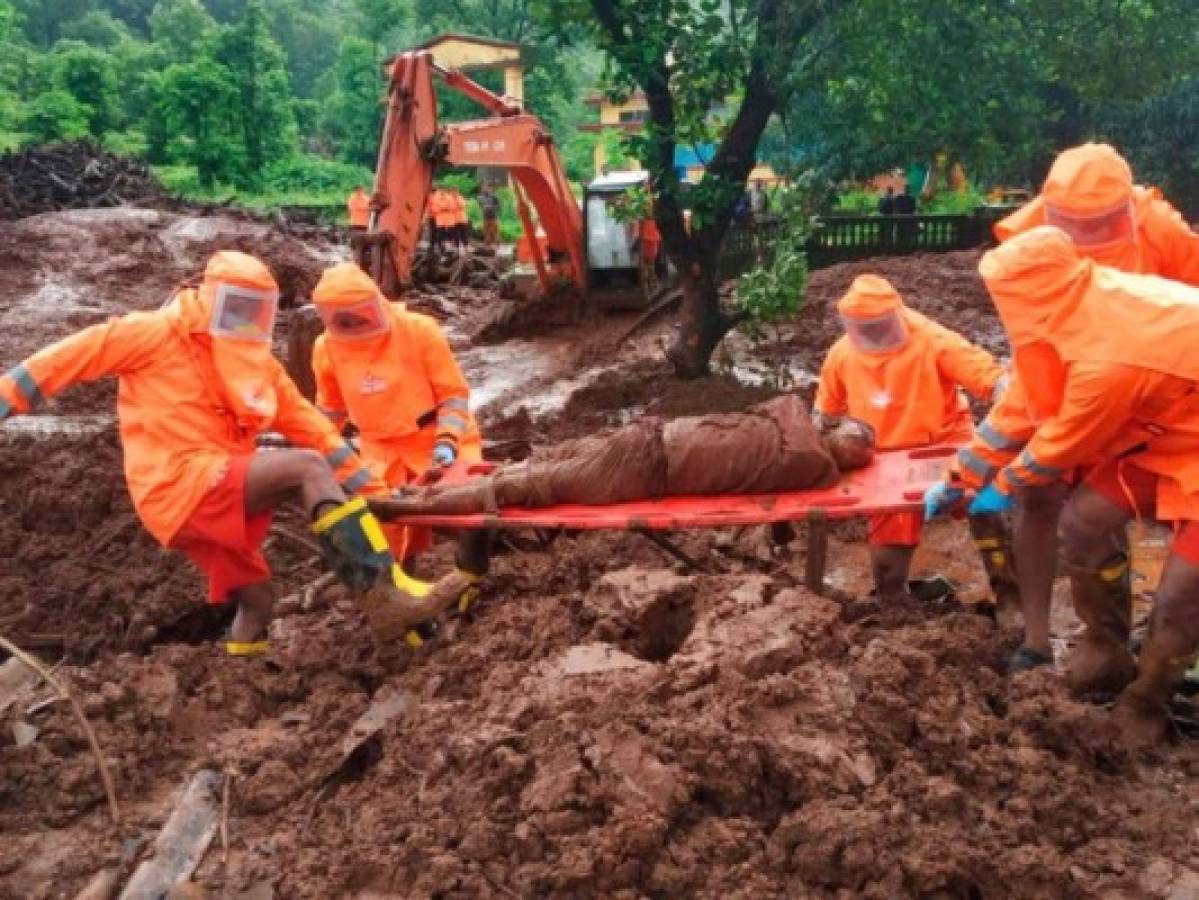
(479, 267)
(80, 573)
(76, 175)
(945, 287)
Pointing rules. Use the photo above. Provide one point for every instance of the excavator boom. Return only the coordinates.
(413, 144)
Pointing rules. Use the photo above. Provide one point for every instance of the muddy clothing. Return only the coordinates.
(771, 447)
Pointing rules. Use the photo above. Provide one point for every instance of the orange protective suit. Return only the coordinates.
(1092, 179)
(189, 400)
(1113, 356)
(359, 206)
(909, 395)
(459, 206)
(399, 384)
(443, 208)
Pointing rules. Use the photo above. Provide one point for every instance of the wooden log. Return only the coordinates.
(182, 842)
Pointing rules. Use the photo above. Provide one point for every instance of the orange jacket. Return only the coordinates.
(1119, 350)
(458, 203)
(443, 209)
(177, 430)
(909, 396)
(405, 392)
(1165, 246)
(359, 205)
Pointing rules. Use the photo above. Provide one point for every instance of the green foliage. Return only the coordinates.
(313, 175)
(43, 20)
(353, 110)
(88, 75)
(181, 27)
(776, 288)
(54, 116)
(126, 143)
(377, 20)
(1161, 138)
(463, 181)
(196, 103)
(263, 110)
(97, 29)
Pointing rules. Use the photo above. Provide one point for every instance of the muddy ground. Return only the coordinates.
(605, 724)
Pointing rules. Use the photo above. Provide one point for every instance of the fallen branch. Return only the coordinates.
(304, 600)
(37, 665)
(310, 545)
(225, 789)
(659, 305)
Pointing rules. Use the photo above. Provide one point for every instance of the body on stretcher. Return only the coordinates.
(894, 482)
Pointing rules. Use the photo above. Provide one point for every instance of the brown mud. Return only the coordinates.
(603, 724)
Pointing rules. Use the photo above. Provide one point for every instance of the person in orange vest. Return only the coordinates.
(900, 373)
(461, 220)
(1088, 193)
(198, 384)
(359, 206)
(392, 373)
(1109, 363)
(445, 215)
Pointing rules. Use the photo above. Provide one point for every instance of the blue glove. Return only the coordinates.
(990, 501)
(939, 498)
(444, 454)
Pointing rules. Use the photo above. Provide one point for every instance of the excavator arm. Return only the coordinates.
(413, 145)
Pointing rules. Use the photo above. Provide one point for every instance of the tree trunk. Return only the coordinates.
(702, 324)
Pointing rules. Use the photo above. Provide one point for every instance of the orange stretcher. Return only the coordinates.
(894, 482)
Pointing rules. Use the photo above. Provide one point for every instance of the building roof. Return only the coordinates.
(465, 38)
(597, 98)
(618, 181)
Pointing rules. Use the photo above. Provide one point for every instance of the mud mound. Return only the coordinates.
(77, 175)
(80, 573)
(944, 286)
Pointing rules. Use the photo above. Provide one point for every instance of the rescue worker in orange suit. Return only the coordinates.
(198, 384)
(461, 221)
(391, 373)
(359, 207)
(1089, 194)
(1109, 362)
(900, 372)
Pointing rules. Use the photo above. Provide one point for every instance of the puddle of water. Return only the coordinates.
(517, 373)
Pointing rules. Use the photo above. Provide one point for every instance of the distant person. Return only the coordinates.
(359, 207)
(759, 202)
(886, 203)
(905, 204)
(444, 211)
(489, 203)
(460, 234)
(741, 211)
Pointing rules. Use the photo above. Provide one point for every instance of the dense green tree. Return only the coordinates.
(196, 103)
(134, 13)
(379, 20)
(353, 117)
(89, 76)
(263, 112)
(181, 26)
(310, 40)
(54, 116)
(43, 20)
(97, 28)
(689, 58)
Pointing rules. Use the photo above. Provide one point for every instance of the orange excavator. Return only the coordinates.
(413, 145)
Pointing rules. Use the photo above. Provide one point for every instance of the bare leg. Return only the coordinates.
(279, 475)
(1140, 711)
(891, 564)
(1035, 546)
(254, 604)
(1094, 550)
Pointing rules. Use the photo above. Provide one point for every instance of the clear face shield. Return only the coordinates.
(358, 322)
(244, 314)
(877, 334)
(1095, 231)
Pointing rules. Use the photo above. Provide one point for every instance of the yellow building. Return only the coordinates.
(631, 116)
(470, 53)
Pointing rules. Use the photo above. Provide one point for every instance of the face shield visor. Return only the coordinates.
(244, 314)
(1095, 231)
(356, 322)
(877, 334)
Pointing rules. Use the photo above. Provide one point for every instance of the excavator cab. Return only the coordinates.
(625, 262)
